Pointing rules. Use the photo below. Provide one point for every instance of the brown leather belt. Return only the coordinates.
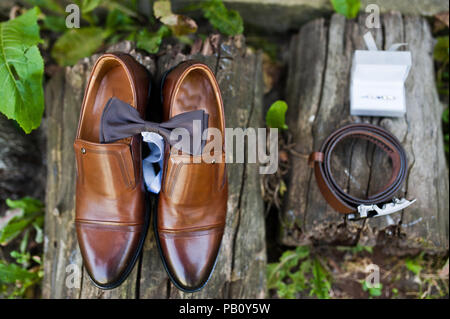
(344, 202)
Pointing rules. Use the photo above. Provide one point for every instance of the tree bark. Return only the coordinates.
(318, 99)
(240, 270)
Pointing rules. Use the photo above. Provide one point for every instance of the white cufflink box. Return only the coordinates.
(377, 85)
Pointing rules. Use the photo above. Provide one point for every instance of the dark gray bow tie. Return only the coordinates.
(120, 120)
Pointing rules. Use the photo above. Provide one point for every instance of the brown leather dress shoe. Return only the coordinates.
(192, 203)
(111, 215)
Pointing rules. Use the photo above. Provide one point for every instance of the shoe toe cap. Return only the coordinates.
(108, 251)
(190, 256)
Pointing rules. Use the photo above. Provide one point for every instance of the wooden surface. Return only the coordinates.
(318, 97)
(240, 270)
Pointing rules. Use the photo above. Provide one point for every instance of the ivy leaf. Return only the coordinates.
(76, 44)
(178, 24)
(21, 71)
(226, 21)
(275, 117)
(348, 8)
(150, 41)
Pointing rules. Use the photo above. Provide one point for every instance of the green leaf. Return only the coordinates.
(302, 251)
(320, 284)
(24, 242)
(373, 291)
(441, 49)
(21, 71)
(272, 277)
(445, 116)
(50, 5)
(89, 5)
(348, 8)
(10, 273)
(275, 117)
(117, 20)
(37, 224)
(413, 266)
(76, 44)
(150, 41)
(282, 188)
(29, 205)
(30, 211)
(226, 21)
(54, 23)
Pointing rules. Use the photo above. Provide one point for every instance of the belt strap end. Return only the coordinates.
(315, 157)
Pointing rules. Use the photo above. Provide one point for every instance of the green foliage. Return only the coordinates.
(376, 291)
(26, 212)
(16, 278)
(283, 188)
(298, 271)
(150, 41)
(21, 71)
(50, 5)
(276, 115)
(320, 284)
(21, 279)
(414, 266)
(122, 22)
(394, 293)
(441, 50)
(441, 56)
(89, 5)
(348, 8)
(225, 21)
(76, 44)
(431, 285)
(54, 23)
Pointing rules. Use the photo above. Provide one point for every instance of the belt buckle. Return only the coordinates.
(372, 211)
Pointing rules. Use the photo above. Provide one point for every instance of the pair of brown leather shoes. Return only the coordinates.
(112, 211)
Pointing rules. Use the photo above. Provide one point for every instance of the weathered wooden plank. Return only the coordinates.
(239, 74)
(304, 104)
(359, 167)
(63, 97)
